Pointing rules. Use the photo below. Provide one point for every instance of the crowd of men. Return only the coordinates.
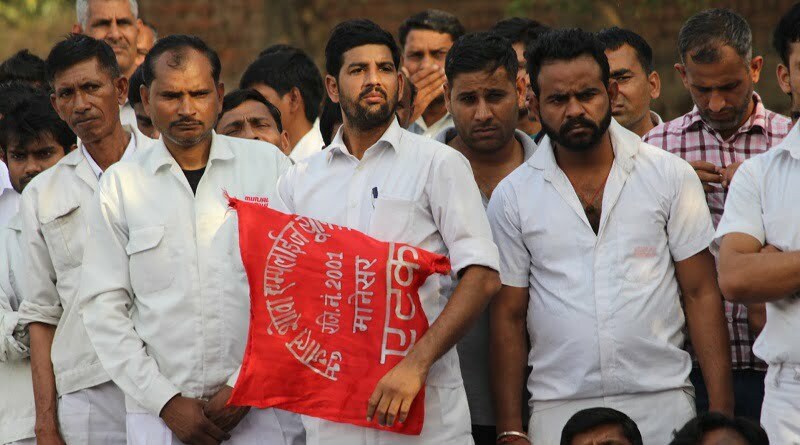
(617, 279)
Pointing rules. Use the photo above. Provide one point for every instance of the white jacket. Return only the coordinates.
(17, 413)
(164, 295)
(53, 234)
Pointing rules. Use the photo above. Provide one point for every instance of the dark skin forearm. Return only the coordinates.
(749, 275)
(508, 352)
(44, 381)
(708, 330)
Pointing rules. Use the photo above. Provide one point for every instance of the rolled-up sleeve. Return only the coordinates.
(458, 213)
(689, 228)
(515, 259)
(105, 298)
(743, 206)
(13, 337)
(42, 303)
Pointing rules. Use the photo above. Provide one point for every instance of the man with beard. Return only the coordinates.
(397, 186)
(727, 125)
(75, 400)
(33, 138)
(602, 239)
(117, 23)
(484, 94)
(425, 38)
(522, 33)
(630, 59)
(164, 296)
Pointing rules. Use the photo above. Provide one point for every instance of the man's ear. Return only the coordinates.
(613, 90)
(121, 84)
(447, 96)
(285, 148)
(784, 78)
(401, 86)
(681, 69)
(332, 87)
(295, 100)
(53, 103)
(655, 85)
(755, 68)
(144, 93)
(522, 87)
(220, 96)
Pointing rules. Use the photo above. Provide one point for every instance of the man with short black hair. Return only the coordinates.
(289, 79)
(75, 400)
(32, 139)
(483, 93)
(630, 59)
(143, 121)
(378, 179)
(164, 295)
(522, 33)
(425, 39)
(786, 41)
(728, 125)
(246, 114)
(25, 67)
(117, 23)
(715, 428)
(635, 256)
(600, 426)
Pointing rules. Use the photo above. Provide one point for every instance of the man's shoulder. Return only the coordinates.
(56, 177)
(777, 124)
(664, 132)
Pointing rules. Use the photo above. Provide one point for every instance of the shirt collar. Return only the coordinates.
(5, 179)
(624, 143)
(391, 138)
(791, 143)
(757, 120)
(159, 156)
(528, 145)
(130, 149)
(655, 118)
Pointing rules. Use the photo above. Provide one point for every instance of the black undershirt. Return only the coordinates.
(193, 177)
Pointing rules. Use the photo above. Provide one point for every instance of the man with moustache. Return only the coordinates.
(728, 125)
(483, 93)
(164, 294)
(246, 114)
(397, 186)
(602, 240)
(75, 400)
(117, 23)
(32, 139)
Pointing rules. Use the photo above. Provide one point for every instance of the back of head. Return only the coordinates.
(433, 20)
(282, 67)
(589, 419)
(614, 38)
(519, 30)
(704, 33)
(787, 32)
(481, 51)
(276, 48)
(78, 48)
(33, 119)
(15, 92)
(25, 67)
(178, 44)
(134, 85)
(238, 97)
(564, 45)
(82, 10)
(695, 430)
(352, 34)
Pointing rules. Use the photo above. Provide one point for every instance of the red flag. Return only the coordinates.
(332, 311)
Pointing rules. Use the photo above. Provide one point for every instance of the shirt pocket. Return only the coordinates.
(65, 232)
(639, 252)
(149, 262)
(392, 219)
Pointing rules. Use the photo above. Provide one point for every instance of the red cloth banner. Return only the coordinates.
(332, 310)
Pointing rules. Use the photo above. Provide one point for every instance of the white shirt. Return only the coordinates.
(127, 154)
(604, 315)
(171, 258)
(309, 144)
(127, 116)
(762, 203)
(421, 128)
(427, 197)
(17, 413)
(54, 229)
(9, 198)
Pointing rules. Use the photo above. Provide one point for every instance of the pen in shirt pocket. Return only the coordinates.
(374, 196)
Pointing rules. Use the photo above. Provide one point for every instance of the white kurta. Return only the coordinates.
(164, 295)
(426, 197)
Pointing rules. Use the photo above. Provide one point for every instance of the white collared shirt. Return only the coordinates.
(309, 144)
(604, 315)
(427, 197)
(17, 413)
(127, 115)
(761, 203)
(129, 151)
(53, 234)
(9, 198)
(172, 258)
(421, 128)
